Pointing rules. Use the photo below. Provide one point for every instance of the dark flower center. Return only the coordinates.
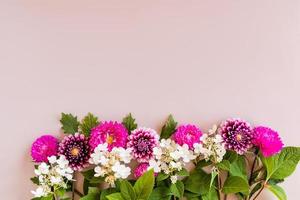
(142, 145)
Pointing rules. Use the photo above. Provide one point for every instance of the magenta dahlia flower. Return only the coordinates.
(140, 170)
(187, 134)
(113, 133)
(43, 147)
(142, 141)
(76, 149)
(267, 140)
(237, 135)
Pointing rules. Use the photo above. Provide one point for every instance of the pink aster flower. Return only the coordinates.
(112, 133)
(140, 170)
(43, 147)
(267, 140)
(187, 134)
(142, 141)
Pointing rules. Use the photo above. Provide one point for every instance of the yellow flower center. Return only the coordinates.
(75, 151)
(109, 139)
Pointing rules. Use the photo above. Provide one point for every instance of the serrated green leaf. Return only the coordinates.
(183, 172)
(115, 196)
(211, 195)
(106, 192)
(93, 194)
(87, 123)
(231, 156)
(35, 180)
(238, 168)
(224, 165)
(277, 191)
(160, 193)
(69, 123)
(129, 123)
(198, 182)
(177, 189)
(161, 177)
(235, 184)
(283, 164)
(144, 185)
(169, 128)
(127, 190)
(60, 192)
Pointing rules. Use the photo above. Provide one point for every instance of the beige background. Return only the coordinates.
(203, 61)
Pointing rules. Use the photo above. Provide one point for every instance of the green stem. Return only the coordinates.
(219, 185)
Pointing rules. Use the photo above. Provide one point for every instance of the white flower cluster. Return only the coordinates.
(52, 176)
(211, 146)
(170, 158)
(111, 164)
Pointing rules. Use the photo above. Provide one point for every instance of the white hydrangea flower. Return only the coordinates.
(155, 165)
(173, 179)
(121, 171)
(170, 157)
(39, 192)
(111, 164)
(55, 180)
(56, 174)
(211, 146)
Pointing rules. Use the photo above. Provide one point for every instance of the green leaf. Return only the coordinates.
(127, 190)
(191, 196)
(106, 192)
(88, 174)
(235, 184)
(93, 194)
(212, 194)
(238, 168)
(277, 191)
(283, 164)
(198, 182)
(87, 123)
(161, 177)
(224, 165)
(129, 123)
(60, 192)
(160, 193)
(115, 196)
(69, 123)
(144, 185)
(169, 128)
(231, 156)
(177, 189)
(35, 180)
(183, 172)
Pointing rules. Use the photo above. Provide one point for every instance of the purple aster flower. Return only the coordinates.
(237, 135)
(76, 149)
(142, 141)
(267, 140)
(113, 133)
(43, 147)
(187, 134)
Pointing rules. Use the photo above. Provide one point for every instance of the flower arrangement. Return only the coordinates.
(121, 161)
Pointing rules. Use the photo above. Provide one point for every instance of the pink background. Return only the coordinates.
(201, 60)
